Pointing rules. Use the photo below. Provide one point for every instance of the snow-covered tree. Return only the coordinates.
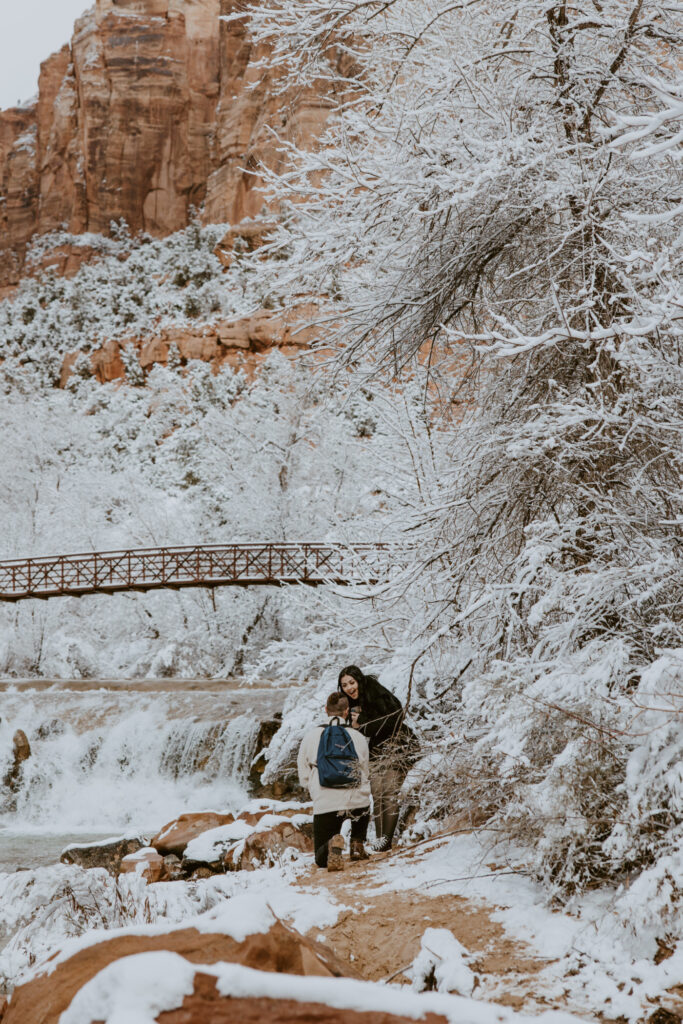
(499, 187)
(199, 456)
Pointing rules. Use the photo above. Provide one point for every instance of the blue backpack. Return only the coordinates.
(337, 758)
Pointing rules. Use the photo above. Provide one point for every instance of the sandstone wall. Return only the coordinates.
(146, 113)
(242, 343)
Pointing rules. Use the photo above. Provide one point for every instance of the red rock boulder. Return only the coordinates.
(266, 847)
(283, 950)
(207, 1006)
(146, 862)
(174, 837)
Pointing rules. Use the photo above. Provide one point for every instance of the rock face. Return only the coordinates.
(18, 188)
(238, 342)
(21, 751)
(21, 748)
(44, 999)
(266, 733)
(154, 107)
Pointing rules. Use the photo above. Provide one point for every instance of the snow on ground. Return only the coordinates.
(594, 959)
(64, 909)
(267, 900)
(136, 988)
(590, 962)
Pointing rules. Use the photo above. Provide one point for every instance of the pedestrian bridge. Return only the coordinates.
(203, 565)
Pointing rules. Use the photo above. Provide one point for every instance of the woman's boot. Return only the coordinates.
(358, 850)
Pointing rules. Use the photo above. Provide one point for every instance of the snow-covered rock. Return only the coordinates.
(174, 836)
(441, 964)
(146, 862)
(107, 853)
(140, 988)
(211, 845)
(248, 842)
(137, 974)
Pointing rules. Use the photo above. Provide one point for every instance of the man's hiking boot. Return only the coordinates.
(335, 854)
(358, 850)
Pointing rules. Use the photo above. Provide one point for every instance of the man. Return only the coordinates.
(332, 806)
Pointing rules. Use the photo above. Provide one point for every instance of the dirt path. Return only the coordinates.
(379, 934)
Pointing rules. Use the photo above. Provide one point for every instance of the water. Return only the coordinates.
(111, 757)
(20, 851)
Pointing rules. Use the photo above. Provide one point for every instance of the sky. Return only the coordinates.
(31, 31)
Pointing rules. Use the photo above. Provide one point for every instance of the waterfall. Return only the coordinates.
(106, 761)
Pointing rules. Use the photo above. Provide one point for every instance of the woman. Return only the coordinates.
(378, 714)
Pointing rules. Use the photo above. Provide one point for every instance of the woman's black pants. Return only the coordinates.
(327, 825)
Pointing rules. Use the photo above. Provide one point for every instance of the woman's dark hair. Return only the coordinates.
(355, 673)
(381, 712)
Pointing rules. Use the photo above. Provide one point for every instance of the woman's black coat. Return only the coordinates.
(381, 718)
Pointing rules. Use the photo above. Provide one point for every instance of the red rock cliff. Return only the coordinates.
(145, 114)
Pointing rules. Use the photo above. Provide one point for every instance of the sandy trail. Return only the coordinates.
(380, 930)
(379, 933)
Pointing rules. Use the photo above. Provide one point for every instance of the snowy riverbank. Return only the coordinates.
(450, 914)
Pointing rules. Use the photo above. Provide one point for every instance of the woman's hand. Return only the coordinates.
(353, 716)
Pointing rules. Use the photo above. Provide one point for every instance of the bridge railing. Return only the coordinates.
(270, 564)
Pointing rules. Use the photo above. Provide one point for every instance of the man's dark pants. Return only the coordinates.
(327, 825)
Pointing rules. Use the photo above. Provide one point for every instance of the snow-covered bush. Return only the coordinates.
(133, 288)
(441, 964)
(44, 909)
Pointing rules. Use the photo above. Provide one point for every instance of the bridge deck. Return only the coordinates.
(215, 565)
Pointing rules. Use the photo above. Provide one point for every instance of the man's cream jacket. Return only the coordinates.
(324, 799)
